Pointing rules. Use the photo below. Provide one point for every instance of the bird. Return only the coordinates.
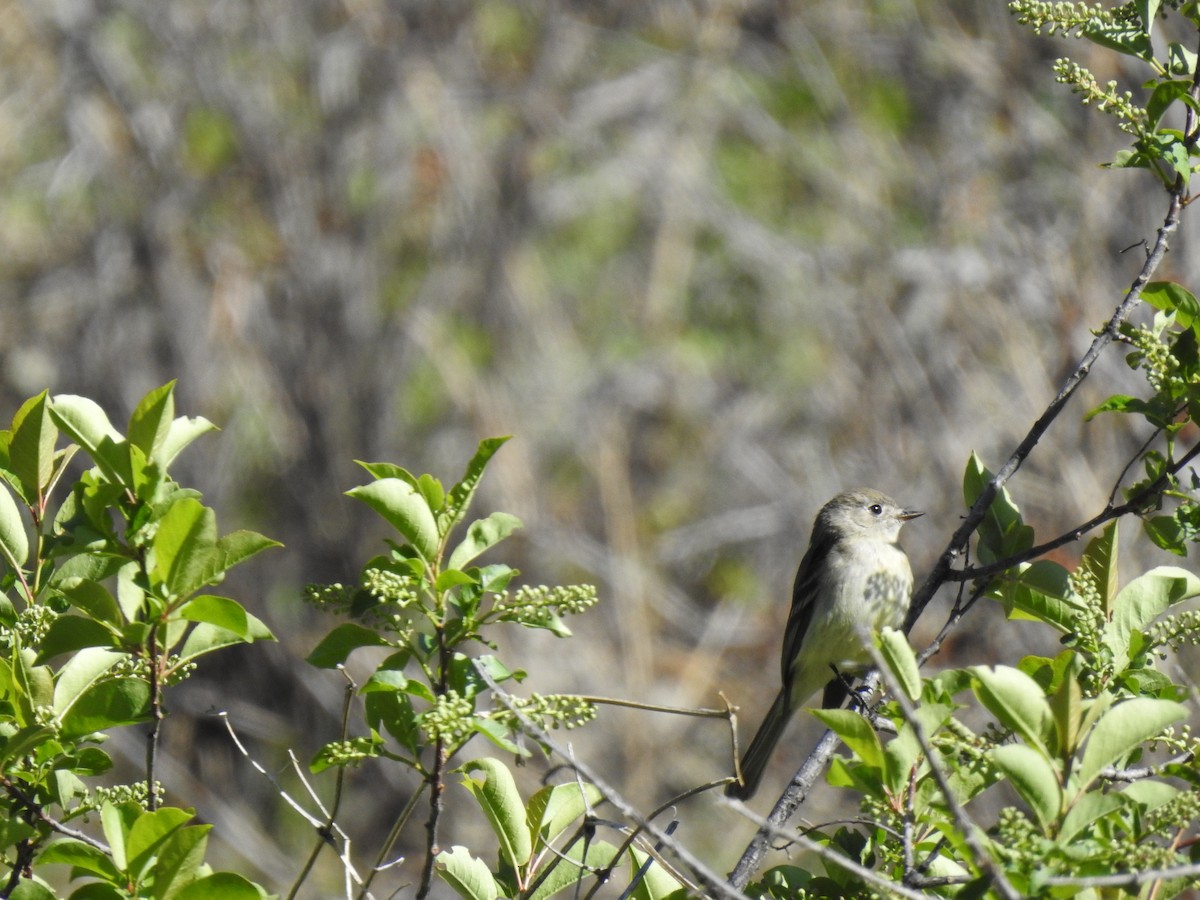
(853, 580)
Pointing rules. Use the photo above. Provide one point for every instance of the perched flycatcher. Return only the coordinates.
(853, 581)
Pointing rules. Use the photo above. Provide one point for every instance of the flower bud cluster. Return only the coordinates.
(549, 711)
(1176, 631)
(349, 752)
(1106, 99)
(334, 597)
(535, 605)
(449, 719)
(389, 587)
(1073, 19)
(1154, 358)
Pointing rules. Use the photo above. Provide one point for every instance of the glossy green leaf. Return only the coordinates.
(180, 434)
(227, 614)
(1122, 729)
(14, 542)
(653, 881)
(117, 819)
(31, 446)
(238, 546)
(184, 550)
(561, 874)
(901, 661)
(856, 732)
(468, 876)
(1034, 778)
(405, 509)
(1018, 702)
(553, 809)
(205, 638)
(482, 535)
(80, 672)
(72, 852)
(92, 598)
(459, 499)
(1143, 600)
(69, 633)
(1085, 810)
(151, 420)
(336, 646)
(33, 890)
(86, 423)
(222, 886)
(151, 831)
(1002, 532)
(494, 789)
(106, 705)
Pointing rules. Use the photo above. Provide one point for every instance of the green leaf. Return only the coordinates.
(901, 661)
(72, 852)
(462, 493)
(150, 831)
(481, 535)
(553, 808)
(1142, 601)
(1100, 559)
(405, 509)
(1168, 295)
(1041, 591)
(106, 705)
(856, 732)
(1123, 729)
(1167, 534)
(222, 886)
(180, 434)
(205, 638)
(184, 550)
(1034, 779)
(1002, 532)
(86, 423)
(1018, 702)
(563, 873)
(32, 890)
(655, 883)
(468, 876)
(1164, 94)
(69, 633)
(227, 614)
(238, 546)
(495, 790)
(92, 598)
(116, 819)
(1086, 809)
(336, 646)
(31, 447)
(14, 542)
(151, 420)
(80, 672)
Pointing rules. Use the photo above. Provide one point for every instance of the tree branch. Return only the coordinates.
(712, 882)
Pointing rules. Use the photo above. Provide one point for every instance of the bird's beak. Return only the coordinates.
(907, 514)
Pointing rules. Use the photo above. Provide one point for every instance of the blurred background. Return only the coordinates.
(709, 262)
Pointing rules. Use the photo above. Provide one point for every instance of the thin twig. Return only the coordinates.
(1109, 513)
(982, 859)
(828, 853)
(712, 882)
(700, 712)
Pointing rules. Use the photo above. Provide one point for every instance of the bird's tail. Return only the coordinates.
(758, 754)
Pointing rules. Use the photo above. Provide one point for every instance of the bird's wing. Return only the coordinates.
(804, 593)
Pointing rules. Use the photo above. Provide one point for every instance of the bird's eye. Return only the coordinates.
(875, 509)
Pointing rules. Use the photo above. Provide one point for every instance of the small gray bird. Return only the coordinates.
(853, 580)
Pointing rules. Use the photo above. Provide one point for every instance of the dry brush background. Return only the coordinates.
(708, 262)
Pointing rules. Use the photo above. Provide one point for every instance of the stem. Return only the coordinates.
(156, 717)
(437, 785)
